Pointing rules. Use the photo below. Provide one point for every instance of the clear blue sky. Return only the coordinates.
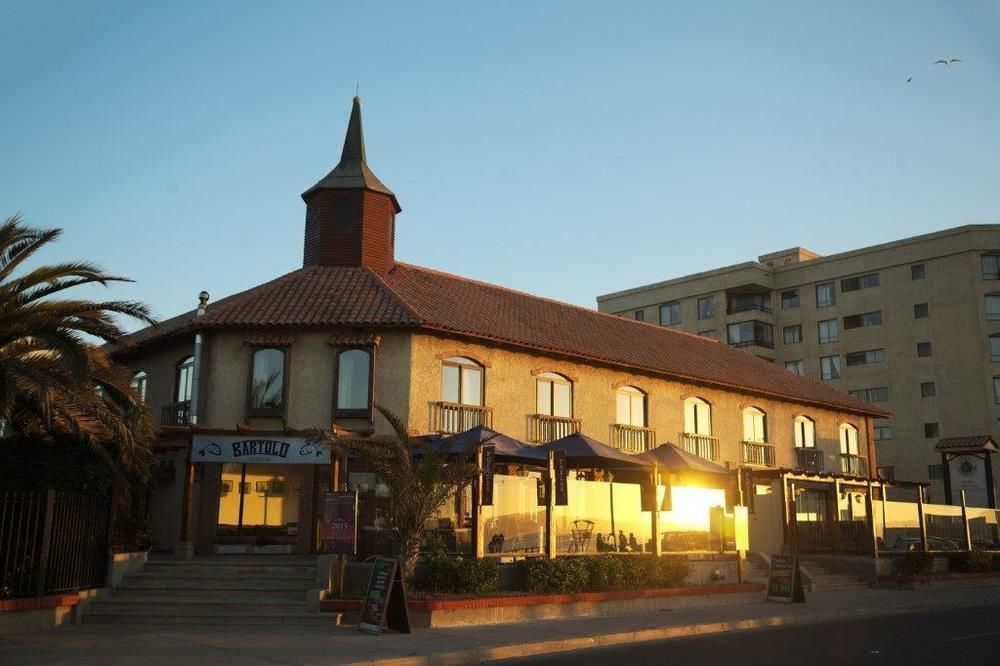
(563, 148)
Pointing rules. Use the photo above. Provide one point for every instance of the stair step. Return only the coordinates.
(191, 606)
(99, 616)
(273, 594)
(249, 569)
(210, 583)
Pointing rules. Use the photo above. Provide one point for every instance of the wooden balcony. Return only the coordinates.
(543, 428)
(853, 465)
(632, 439)
(705, 446)
(809, 460)
(757, 453)
(449, 418)
(176, 414)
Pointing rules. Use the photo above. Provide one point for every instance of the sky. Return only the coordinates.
(567, 149)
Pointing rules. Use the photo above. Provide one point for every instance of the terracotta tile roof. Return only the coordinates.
(968, 443)
(415, 297)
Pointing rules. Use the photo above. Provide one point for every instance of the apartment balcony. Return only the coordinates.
(757, 453)
(853, 465)
(632, 439)
(736, 308)
(543, 428)
(449, 418)
(809, 460)
(176, 414)
(704, 446)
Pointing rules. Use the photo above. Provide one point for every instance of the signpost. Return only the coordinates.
(784, 580)
(489, 466)
(561, 471)
(384, 604)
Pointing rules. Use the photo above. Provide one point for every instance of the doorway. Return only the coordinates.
(258, 508)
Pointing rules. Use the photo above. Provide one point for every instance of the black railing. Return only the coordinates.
(22, 522)
(754, 342)
(78, 543)
(853, 465)
(176, 414)
(734, 308)
(809, 460)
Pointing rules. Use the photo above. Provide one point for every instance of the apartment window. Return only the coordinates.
(462, 381)
(995, 347)
(751, 333)
(996, 390)
(875, 394)
(828, 331)
(630, 407)
(993, 307)
(826, 295)
(754, 425)
(183, 377)
(931, 430)
(354, 383)
(789, 299)
(670, 313)
(859, 282)
(920, 311)
(928, 389)
(848, 440)
(267, 382)
(805, 433)
(991, 266)
(882, 433)
(138, 384)
(640, 315)
(710, 333)
(745, 302)
(861, 320)
(918, 272)
(554, 395)
(887, 473)
(697, 417)
(706, 307)
(798, 367)
(866, 357)
(935, 472)
(792, 334)
(829, 367)
(924, 349)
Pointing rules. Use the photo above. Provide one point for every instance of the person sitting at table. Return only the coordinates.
(622, 542)
(601, 546)
(633, 543)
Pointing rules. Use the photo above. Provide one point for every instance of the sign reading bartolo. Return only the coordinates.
(258, 449)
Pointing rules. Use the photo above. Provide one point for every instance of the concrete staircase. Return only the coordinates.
(756, 571)
(234, 590)
(817, 578)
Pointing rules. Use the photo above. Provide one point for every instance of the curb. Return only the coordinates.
(498, 652)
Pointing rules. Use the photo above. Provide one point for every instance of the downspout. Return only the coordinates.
(185, 547)
(196, 370)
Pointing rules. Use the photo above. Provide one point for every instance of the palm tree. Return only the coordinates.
(418, 485)
(54, 381)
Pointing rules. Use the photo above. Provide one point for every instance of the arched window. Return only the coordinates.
(267, 381)
(462, 381)
(848, 440)
(630, 407)
(697, 417)
(805, 433)
(754, 425)
(138, 384)
(183, 377)
(354, 386)
(554, 395)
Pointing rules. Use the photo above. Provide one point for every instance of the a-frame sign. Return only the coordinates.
(384, 605)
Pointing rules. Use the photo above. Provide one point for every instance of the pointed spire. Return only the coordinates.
(352, 172)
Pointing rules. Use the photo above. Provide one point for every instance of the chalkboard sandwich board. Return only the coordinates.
(385, 599)
(784, 580)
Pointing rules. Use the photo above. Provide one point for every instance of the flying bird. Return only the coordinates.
(947, 62)
(909, 79)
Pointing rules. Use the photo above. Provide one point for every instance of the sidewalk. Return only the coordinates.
(256, 644)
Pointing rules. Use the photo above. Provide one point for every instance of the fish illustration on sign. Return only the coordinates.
(212, 448)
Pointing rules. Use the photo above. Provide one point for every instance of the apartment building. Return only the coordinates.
(912, 326)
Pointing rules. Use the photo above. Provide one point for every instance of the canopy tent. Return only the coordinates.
(508, 449)
(678, 461)
(583, 451)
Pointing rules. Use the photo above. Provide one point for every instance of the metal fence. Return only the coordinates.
(52, 541)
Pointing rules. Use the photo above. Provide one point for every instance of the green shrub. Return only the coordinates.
(975, 562)
(914, 563)
(559, 576)
(456, 575)
(671, 572)
(603, 572)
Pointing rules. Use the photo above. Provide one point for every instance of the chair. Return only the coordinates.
(581, 533)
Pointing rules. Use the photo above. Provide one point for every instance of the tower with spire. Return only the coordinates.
(350, 214)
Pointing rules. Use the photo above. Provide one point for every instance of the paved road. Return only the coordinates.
(957, 637)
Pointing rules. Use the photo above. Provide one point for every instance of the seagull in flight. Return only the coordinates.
(947, 62)
(909, 79)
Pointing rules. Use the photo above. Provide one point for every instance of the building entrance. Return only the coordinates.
(259, 507)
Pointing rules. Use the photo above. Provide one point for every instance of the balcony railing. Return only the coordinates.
(176, 414)
(754, 342)
(632, 439)
(705, 446)
(734, 308)
(853, 465)
(448, 417)
(758, 453)
(543, 428)
(809, 460)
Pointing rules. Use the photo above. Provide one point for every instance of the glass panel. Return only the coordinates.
(268, 379)
(687, 526)
(622, 408)
(585, 525)
(229, 500)
(897, 525)
(472, 386)
(270, 503)
(704, 416)
(638, 410)
(983, 528)
(543, 403)
(562, 400)
(353, 378)
(449, 383)
(945, 528)
(184, 376)
(515, 523)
